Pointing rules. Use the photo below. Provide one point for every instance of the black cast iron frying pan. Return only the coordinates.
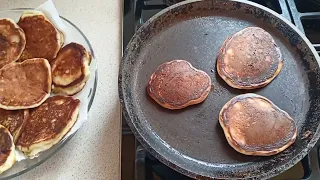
(191, 140)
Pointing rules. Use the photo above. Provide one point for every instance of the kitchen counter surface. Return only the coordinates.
(94, 152)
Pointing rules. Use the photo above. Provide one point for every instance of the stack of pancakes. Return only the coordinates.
(32, 63)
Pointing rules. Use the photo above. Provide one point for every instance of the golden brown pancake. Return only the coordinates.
(249, 59)
(70, 69)
(12, 41)
(253, 125)
(25, 85)
(177, 84)
(14, 121)
(43, 39)
(47, 124)
(7, 150)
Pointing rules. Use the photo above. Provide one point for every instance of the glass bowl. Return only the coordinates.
(25, 165)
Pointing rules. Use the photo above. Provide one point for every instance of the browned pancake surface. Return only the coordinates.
(69, 65)
(176, 84)
(14, 121)
(5, 144)
(255, 126)
(25, 84)
(12, 42)
(48, 120)
(249, 59)
(41, 38)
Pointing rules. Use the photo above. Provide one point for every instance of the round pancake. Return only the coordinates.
(47, 124)
(70, 90)
(177, 84)
(249, 59)
(7, 152)
(14, 121)
(12, 42)
(70, 69)
(25, 85)
(253, 125)
(43, 39)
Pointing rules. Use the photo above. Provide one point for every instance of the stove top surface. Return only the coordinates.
(137, 163)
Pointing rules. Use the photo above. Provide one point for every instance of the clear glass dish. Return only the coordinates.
(25, 165)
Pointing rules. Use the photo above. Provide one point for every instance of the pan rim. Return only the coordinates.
(129, 114)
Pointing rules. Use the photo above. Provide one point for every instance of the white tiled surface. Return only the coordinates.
(94, 152)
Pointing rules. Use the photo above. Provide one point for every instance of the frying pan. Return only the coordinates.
(191, 140)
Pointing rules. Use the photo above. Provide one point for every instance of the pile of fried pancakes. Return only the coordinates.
(248, 59)
(34, 61)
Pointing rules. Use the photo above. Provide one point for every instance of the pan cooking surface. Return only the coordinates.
(195, 131)
(191, 140)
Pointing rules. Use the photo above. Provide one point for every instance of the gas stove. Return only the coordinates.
(137, 163)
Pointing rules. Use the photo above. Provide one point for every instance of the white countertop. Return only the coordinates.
(94, 152)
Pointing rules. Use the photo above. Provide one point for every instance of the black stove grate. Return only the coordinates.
(306, 16)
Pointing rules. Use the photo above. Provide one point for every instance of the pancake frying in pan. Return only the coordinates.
(191, 140)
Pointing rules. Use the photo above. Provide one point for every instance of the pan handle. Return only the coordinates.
(306, 164)
(140, 163)
(318, 155)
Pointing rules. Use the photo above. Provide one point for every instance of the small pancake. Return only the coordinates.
(7, 150)
(177, 84)
(249, 59)
(14, 121)
(12, 42)
(43, 39)
(70, 90)
(70, 69)
(253, 125)
(25, 85)
(47, 124)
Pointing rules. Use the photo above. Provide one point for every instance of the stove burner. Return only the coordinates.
(137, 163)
